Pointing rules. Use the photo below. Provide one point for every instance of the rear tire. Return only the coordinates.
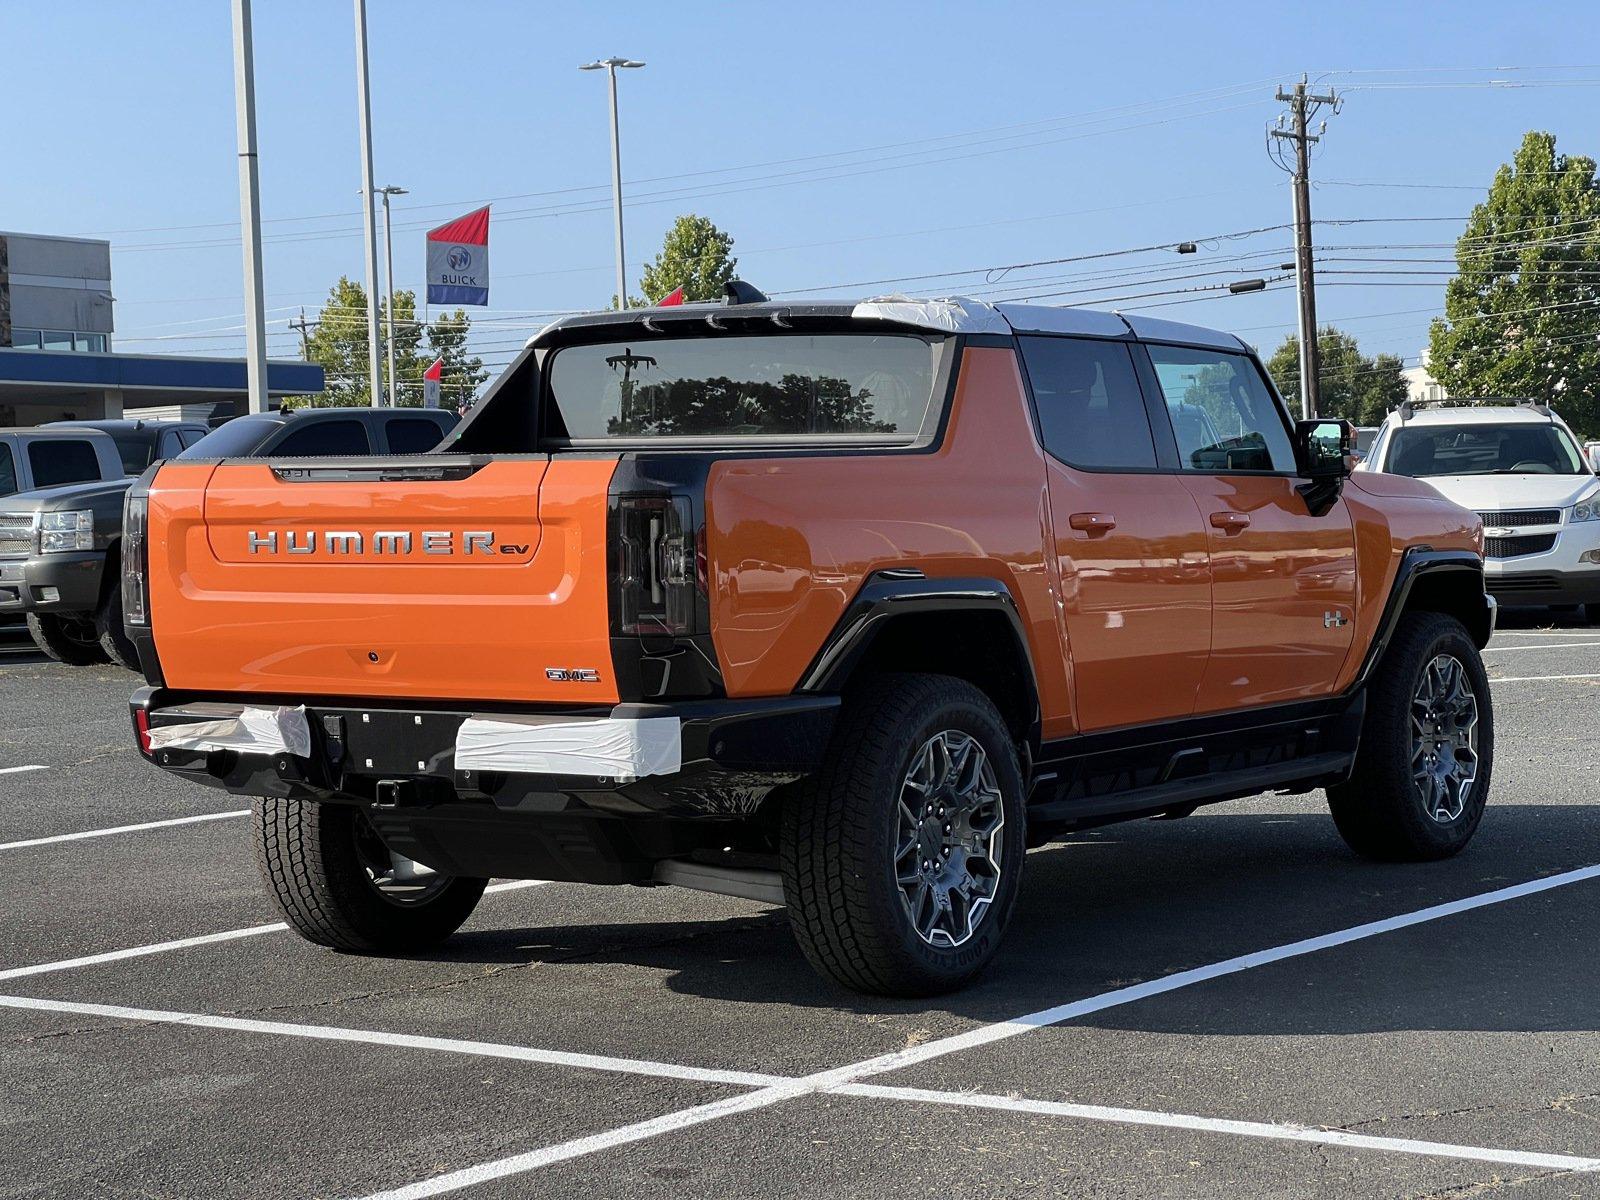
(319, 860)
(902, 857)
(1422, 774)
(114, 641)
(67, 639)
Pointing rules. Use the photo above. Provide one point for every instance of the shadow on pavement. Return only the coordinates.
(1141, 901)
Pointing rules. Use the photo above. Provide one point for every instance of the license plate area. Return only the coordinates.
(390, 743)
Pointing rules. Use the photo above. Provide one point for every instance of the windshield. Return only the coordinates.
(871, 387)
(135, 452)
(1521, 449)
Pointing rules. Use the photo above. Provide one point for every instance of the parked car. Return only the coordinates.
(140, 443)
(835, 606)
(1591, 455)
(61, 490)
(309, 432)
(1518, 465)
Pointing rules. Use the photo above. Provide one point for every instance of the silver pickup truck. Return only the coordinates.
(61, 494)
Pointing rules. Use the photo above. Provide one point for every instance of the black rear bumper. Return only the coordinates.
(399, 762)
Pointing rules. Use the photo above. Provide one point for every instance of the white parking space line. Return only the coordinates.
(375, 1037)
(1252, 1129)
(838, 1077)
(205, 939)
(107, 832)
(1537, 646)
(1540, 678)
(20, 770)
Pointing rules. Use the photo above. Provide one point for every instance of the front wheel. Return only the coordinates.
(338, 885)
(902, 857)
(67, 639)
(1421, 776)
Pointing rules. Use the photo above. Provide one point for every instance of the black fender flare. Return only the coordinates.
(1416, 563)
(889, 594)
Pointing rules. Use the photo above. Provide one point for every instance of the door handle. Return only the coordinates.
(1092, 522)
(1231, 522)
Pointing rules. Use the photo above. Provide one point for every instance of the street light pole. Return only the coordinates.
(244, 95)
(388, 256)
(374, 369)
(611, 65)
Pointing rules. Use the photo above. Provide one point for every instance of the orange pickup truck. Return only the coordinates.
(842, 606)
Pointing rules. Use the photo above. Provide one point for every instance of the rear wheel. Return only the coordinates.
(902, 857)
(1427, 748)
(67, 639)
(338, 885)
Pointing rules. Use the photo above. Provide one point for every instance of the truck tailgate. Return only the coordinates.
(442, 578)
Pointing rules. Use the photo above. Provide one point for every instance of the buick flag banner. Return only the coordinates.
(458, 260)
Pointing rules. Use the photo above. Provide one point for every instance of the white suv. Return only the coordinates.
(1520, 468)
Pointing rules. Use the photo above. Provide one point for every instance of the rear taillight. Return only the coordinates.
(135, 557)
(659, 569)
(141, 729)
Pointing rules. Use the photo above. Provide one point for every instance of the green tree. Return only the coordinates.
(1520, 315)
(1353, 386)
(463, 373)
(696, 256)
(339, 343)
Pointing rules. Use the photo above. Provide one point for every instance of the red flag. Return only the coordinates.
(675, 296)
(435, 370)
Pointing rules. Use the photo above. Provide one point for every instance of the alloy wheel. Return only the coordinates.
(1444, 738)
(947, 839)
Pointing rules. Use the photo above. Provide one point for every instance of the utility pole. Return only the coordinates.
(611, 65)
(244, 98)
(1302, 106)
(375, 370)
(388, 254)
(303, 326)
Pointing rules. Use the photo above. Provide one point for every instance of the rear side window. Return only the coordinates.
(188, 437)
(323, 439)
(799, 386)
(134, 450)
(56, 462)
(1091, 412)
(412, 435)
(8, 471)
(1224, 416)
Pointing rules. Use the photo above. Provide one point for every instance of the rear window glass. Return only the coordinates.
(413, 435)
(322, 439)
(853, 386)
(134, 450)
(8, 471)
(55, 462)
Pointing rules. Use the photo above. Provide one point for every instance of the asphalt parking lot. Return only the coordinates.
(1229, 1005)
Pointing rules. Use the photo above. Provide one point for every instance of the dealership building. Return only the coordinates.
(57, 355)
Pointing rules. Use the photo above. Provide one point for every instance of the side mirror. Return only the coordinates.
(1324, 448)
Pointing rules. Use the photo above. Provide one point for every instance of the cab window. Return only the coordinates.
(1091, 411)
(324, 439)
(8, 471)
(1224, 417)
(413, 435)
(55, 462)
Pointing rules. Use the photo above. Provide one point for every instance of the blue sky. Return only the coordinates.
(840, 144)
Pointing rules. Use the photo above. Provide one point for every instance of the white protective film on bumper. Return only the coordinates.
(251, 731)
(604, 747)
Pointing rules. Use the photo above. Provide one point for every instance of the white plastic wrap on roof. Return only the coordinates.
(953, 314)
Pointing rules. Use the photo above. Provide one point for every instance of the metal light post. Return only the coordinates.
(611, 65)
(388, 259)
(375, 370)
(244, 94)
